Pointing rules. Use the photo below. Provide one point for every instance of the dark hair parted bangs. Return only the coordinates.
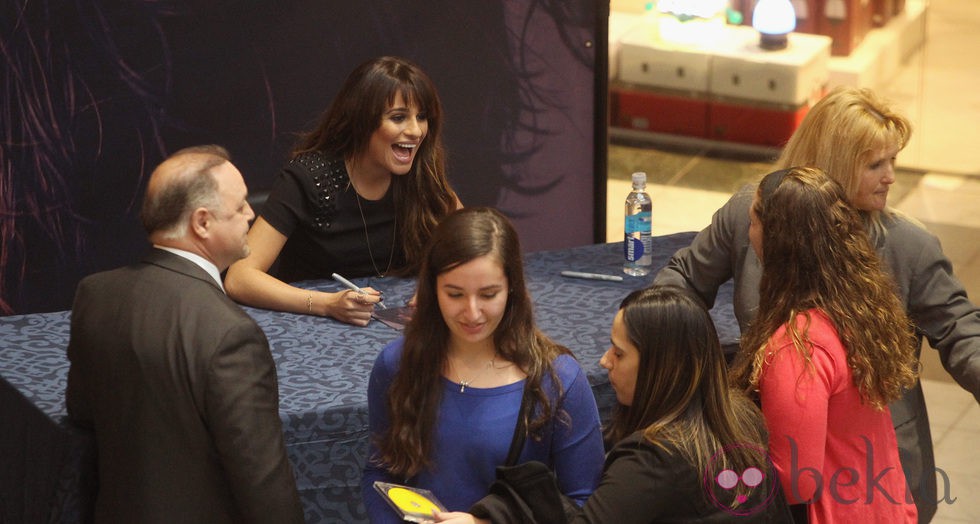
(423, 197)
(346, 127)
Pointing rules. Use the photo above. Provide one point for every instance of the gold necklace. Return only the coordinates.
(367, 238)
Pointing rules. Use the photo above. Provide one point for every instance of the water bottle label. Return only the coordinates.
(638, 223)
(633, 249)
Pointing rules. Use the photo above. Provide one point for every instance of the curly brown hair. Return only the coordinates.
(816, 255)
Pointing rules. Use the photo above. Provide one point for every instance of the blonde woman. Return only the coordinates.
(854, 137)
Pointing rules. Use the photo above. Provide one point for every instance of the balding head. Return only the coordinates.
(183, 182)
(197, 201)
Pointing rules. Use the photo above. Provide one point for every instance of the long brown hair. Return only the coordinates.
(682, 395)
(423, 196)
(816, 255)
(416, 390)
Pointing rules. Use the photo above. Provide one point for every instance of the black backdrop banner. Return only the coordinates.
(96, 93)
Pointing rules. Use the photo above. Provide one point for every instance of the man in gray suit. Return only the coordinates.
(177, 381)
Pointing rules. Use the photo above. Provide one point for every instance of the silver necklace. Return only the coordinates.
(463, 384)
(367, 238)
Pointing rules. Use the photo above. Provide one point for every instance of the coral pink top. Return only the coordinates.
(830, 449)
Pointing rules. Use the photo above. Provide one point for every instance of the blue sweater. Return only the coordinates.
(473, 435)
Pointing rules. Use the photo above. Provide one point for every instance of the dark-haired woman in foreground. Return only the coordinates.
(685, 447)
(445, 400)
(360, 197)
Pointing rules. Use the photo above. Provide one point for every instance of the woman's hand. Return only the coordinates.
(457, 517)
(350, 306)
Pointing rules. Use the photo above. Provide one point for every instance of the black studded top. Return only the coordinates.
(312, 203)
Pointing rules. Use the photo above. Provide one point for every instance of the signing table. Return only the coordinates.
(323, 366)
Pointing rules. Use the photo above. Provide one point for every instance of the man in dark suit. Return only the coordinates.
(177, 381)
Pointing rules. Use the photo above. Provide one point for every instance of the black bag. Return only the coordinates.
(525, 493)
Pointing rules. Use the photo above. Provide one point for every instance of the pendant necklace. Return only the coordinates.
(463, 384)
(367, 238)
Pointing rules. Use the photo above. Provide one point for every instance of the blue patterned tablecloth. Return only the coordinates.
(323, 367)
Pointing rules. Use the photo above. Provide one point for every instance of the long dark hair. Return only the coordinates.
(421, 197)
(816, 255)
(682, 396)
(416, 391)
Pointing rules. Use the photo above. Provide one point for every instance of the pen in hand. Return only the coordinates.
(350, 285)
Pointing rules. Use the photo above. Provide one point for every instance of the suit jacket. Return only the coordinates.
(180, 388)
(933, 297)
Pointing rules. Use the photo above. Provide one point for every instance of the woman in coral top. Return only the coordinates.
(831, 346)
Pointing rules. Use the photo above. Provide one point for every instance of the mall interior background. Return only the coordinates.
(938, 183)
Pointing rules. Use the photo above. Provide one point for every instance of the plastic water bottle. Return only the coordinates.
(637, 247)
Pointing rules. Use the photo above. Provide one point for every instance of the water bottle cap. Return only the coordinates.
(639, 178)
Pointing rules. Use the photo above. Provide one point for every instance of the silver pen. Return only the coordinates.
(591, 276)
(353, 286)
